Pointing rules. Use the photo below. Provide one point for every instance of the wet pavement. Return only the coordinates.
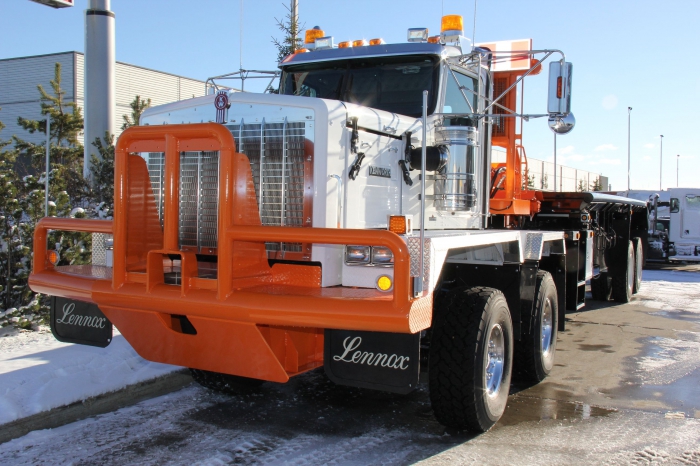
(625, 390)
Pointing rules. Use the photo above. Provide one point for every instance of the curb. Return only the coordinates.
(95, 405)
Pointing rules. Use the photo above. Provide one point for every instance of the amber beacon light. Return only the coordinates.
(452, 25)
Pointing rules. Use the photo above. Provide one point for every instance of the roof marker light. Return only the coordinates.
(300, 51)
(377, 41)
(434, 39)
(417, 34)
(359, 43)
(345, 44)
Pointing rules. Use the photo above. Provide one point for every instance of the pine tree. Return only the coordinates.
(581, 186)
(291, 41)
(66, 153)
(596, 186)
(137, 105)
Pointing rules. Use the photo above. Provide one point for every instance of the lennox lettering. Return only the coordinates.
(370, 359)
(69, 318)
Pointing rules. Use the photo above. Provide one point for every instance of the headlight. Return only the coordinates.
(357, 255)
(382, 256)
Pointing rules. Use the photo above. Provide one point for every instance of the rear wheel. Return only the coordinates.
(471, 358)
(638, 264)
(225, 383)
(601, 287)
(536, 350)
(623, 280)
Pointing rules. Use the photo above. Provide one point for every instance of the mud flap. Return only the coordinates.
(79, 322)
(381, 361)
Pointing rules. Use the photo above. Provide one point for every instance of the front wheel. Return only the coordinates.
(535, 352)
(471, 355)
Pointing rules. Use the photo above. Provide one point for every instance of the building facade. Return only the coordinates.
(20, 76)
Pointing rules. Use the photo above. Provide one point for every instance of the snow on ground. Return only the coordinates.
(38, 373)
(673, 293)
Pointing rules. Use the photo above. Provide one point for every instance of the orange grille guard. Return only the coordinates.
(282, 305)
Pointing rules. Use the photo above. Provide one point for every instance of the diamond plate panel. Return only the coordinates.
(533, 246)
(413, 244)
(99, 252)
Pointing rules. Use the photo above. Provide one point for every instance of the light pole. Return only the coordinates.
(661, 157)
(629, 112)
(678, 157)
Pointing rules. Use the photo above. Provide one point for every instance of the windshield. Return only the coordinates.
(393, 84)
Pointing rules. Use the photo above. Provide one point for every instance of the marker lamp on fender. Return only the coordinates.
(384, 283)
(357, 255)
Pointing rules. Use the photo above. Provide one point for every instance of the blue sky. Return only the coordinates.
(638, 53)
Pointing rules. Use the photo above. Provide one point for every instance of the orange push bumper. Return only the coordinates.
(252, 319)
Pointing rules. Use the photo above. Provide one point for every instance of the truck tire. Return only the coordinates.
(535, 352)
(471, 356)
(638, 264)
(623, 280)
(601, 287)
(225, 383)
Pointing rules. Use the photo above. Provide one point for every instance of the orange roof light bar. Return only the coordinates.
(313, 34)
(377, 41)
(300, 51)
(359, 43)
(344, 44)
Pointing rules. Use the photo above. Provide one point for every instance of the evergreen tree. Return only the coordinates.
(596, 186)
(66, 153)
(581, 186)
(291, 29)
(137, 105)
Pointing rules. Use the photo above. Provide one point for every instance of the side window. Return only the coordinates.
(675, 205)
(692, 202)
(454, 100)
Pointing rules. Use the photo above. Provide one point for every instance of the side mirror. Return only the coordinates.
(559, 96)
(561, 124)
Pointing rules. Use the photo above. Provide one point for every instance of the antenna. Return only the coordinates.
(240, 25)
(473, 30)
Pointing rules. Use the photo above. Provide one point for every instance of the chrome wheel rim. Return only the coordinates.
(546, 328)
(496, 360)
(630, 271)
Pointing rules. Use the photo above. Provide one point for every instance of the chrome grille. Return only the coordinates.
(276, 154)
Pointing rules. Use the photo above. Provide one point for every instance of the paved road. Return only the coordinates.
(624, 391)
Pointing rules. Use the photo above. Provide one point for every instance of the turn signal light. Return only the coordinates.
(559, 83)
(400, 224)
(345, 44)
(359, 43)
(452, 23)
(376, 42)
(52, 256)
(313, 34)
(434, 39)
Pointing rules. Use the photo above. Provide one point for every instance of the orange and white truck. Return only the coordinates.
(353, 222)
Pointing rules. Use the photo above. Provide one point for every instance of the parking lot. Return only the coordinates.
(624, 391)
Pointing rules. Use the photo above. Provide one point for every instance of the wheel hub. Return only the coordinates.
(496, 360)
(546, 328)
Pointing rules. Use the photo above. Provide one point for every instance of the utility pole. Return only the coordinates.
(48, 165)
(629, 113)
(661, 158)
(99, 77)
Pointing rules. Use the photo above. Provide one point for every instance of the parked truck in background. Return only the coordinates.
(353, 222)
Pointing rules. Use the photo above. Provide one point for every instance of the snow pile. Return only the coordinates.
(671, 290)
(38, 373)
